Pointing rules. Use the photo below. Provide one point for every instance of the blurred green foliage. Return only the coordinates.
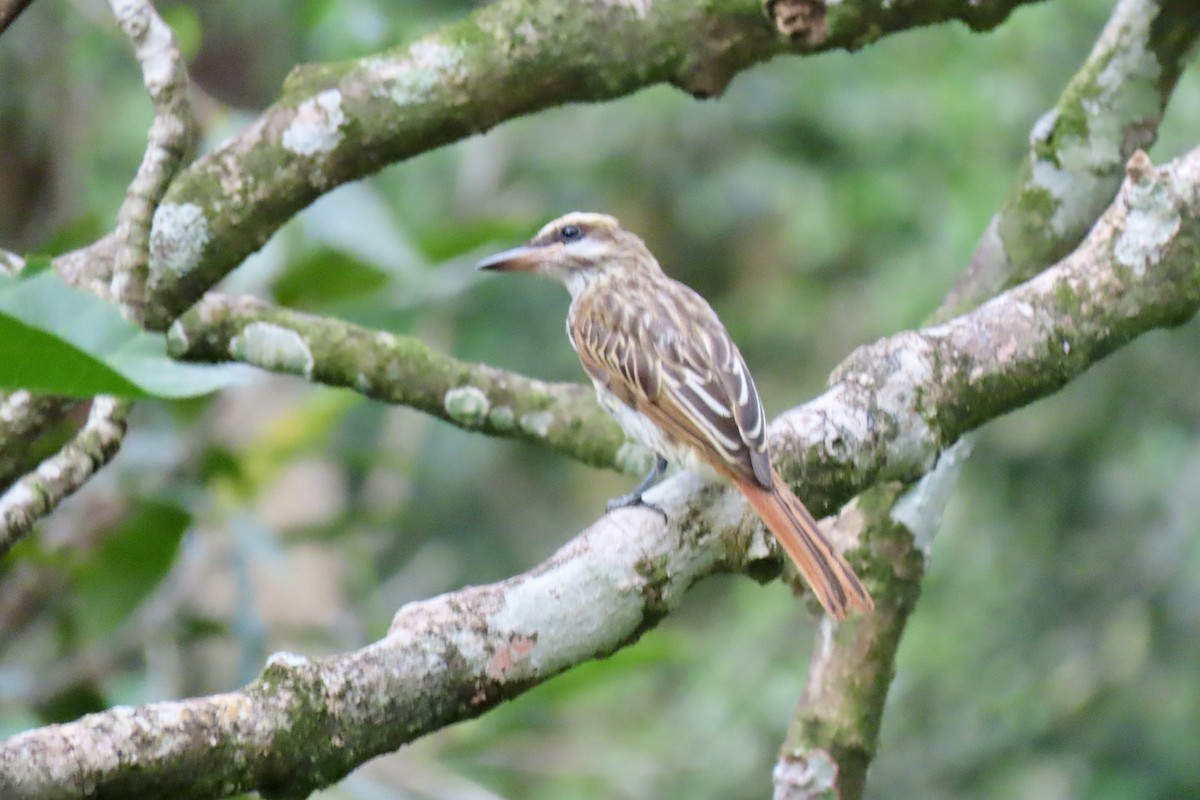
(821, 203)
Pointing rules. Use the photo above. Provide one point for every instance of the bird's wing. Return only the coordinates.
(665, 353)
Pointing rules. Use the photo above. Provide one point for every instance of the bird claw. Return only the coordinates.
(632, 500)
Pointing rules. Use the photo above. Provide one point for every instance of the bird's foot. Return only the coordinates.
(632, 500)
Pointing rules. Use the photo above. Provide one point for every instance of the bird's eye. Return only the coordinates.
(570, 233)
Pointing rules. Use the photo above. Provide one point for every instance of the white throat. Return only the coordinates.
(575, 282)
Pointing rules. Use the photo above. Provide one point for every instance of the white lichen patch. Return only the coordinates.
(416, 78)
(537, 423)
(177, 338)
(1043, 129)
(811, 774)
(568, 612)
(273, 347)
(15, 406)
(467, 405)
(51, 470)
(937, 331)
(527, 32)
(897, 397)
(833, 420)
(168, 716)
(19, 496)
(1150, 224)
(286, 659)
(1072, 192)
(178, 236)
(316, 127)
(1081, 174)
(1128, 57)
(11, 263)
(503, 418)
(920, 509)
(639, 7)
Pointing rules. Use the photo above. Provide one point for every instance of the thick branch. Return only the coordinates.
(1119, 94)
(38, 493)
(401, 369)
(339, 122)
(895, 404)
(1078, 149)
(832, 738)
(305, 723)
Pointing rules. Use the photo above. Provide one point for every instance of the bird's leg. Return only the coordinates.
(634, 498)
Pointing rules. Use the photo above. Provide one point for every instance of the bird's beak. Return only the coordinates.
(518, 259)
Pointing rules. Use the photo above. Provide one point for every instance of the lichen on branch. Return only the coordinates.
(305, 723)
(1077, 150)
(403, 370)
(56, 478)
(340, 122)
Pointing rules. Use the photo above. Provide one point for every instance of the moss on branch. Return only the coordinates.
(453, 657)
(402, 370)
(1111, 107)
(340, 122)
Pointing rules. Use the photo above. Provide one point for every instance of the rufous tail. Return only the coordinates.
(832, 580)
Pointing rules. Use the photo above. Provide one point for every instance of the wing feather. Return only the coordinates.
(660, 349)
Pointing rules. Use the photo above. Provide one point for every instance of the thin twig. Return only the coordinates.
(10, 10)
(38, 493)
(24, 417)
(171, 134)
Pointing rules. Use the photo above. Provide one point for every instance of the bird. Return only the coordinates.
(666, 369)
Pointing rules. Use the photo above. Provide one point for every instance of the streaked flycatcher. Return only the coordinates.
(665, 368)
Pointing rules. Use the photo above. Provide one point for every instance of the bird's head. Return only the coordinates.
(576, 249)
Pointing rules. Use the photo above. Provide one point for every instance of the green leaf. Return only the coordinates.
(126, 568)
(324, 277)
(441, 240)
(66, 341)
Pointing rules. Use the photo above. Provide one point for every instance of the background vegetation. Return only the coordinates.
(821, 203)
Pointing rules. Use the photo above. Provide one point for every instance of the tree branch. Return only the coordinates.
(1119, 94)
(1078, 149)
(24, 417)
(403, 370)
(10, 10)
(832, 738)
(56, 478)
(340, 122)
(123, 258)
(892, 409)
(170, 137)
(11, 263)
(894, 405)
